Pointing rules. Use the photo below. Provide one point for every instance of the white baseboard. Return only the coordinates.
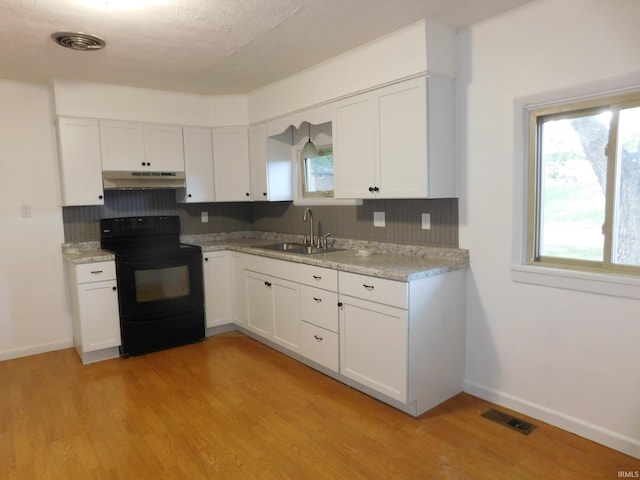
(622, 443)
(36, 349)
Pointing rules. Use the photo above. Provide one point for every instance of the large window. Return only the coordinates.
(584, 190)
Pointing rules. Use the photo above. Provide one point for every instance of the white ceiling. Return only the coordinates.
(208, 47)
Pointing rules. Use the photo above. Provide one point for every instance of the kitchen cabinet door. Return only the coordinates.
(239, 289)
(217, 288)
(99, 317)
(353, 148)
(163, 148)
(396, 141)
(122, 146)
(286, 313)
(131, 146)
(231, 164)
(198, 166)
(401, 119)
(374, 346)
(259, 304)
(273, 309)
(80, 161)
(258, 163)
(270, 165)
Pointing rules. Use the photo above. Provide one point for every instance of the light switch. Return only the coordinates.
(426, 221)
(204, 217)
(378, 219)
(25, 211)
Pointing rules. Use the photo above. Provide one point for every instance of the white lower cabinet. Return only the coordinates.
(320, 345)
(259, 304)
(273, 309)
(238, 289)
(374, 346)
(217, 284)
(94, 307)
(404, 340)
(401, 342)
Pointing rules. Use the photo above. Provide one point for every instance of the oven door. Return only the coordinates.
(161, 285)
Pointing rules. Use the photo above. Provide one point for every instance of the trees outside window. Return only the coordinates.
(585, 185)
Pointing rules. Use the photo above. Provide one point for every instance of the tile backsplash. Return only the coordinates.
(403, 217)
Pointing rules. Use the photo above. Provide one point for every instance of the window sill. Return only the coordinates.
(615, 285)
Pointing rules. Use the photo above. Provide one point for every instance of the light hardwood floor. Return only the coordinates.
(231, 408)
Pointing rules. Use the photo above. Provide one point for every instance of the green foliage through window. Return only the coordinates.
(585, 185)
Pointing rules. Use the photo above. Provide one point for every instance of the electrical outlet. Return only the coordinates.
(426, 221)
(204, 217)
(378, 219)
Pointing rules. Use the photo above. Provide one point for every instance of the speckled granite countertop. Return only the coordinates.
(378, 259)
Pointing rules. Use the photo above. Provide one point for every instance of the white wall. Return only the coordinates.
(100, 100)
(567, 357)
(413, 50)
(33, 309)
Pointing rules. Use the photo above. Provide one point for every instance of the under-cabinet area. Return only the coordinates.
(399, 339)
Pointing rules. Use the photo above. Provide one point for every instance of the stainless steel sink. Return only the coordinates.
(300, 248)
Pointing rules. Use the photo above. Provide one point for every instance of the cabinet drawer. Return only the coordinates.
(380, 290)
(320, 345)
(95, 272)
(318, 277)
(320, 307)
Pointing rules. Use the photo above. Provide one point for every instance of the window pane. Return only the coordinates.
(573, 186)
(626, 232)
(318, 172)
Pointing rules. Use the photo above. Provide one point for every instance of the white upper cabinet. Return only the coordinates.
(163, 148)
(258, 163)
(353, 147)
(231, 164)
(80, 161)
(198, 166)
(396, 141)
(130, 146)
(270, 161)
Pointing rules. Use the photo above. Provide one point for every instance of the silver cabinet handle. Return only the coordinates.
(317, 299)
(368, 287)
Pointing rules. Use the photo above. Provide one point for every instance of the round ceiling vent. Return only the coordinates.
(78, 41)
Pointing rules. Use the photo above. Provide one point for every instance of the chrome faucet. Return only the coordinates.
(304, 219)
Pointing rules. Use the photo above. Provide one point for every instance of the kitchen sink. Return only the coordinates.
(300, 248)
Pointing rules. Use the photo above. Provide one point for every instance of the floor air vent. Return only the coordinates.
(509, 421)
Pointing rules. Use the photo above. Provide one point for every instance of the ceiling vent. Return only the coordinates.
(78, 41)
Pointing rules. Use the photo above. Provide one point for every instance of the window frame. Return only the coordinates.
(615, 103)
(322, 151)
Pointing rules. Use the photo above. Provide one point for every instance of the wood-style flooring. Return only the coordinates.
(232, 408)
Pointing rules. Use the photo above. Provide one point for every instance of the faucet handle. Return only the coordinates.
(322, 241)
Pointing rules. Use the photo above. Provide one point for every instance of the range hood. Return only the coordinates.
(127, 180)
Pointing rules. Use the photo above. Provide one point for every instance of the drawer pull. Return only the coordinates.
(368, 287)
(268, 284)
(317, 277)
(317, 299)
(96, 272)
(318, 339)
(113, 288)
